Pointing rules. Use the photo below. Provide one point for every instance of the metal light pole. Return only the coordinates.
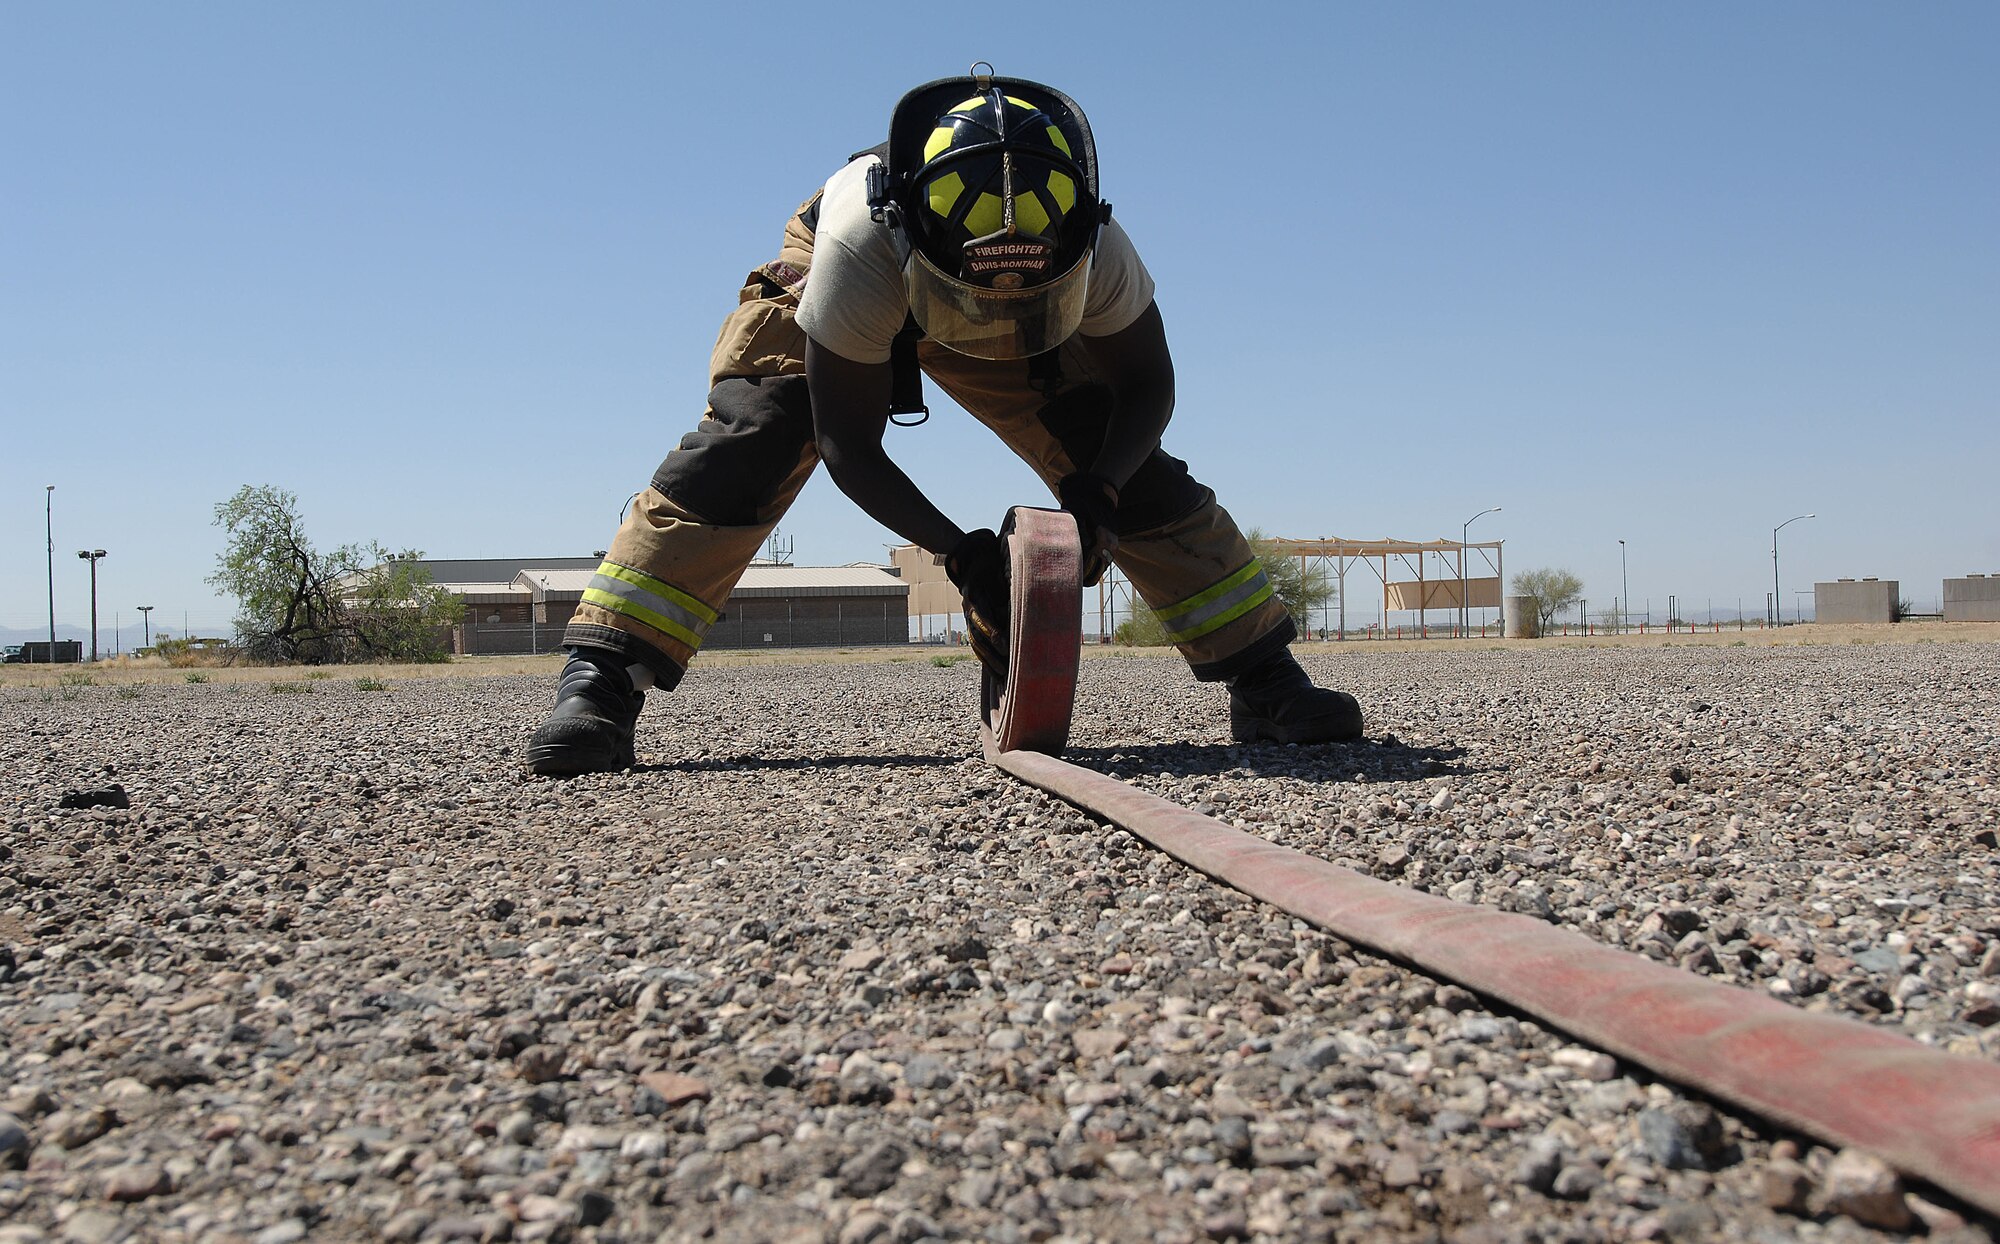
(146, 612)
(1625, 585)
(1777, 597)
(91, 556)
(1464, 617)
(49, 519)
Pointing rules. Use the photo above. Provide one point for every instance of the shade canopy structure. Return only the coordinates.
(1439, 572)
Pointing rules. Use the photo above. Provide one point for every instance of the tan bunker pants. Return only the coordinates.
(717, 498)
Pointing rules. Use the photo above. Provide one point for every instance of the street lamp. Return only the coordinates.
(1777, 597)
(91, 556)
(49, 520)
(1625, 585)
(1463, 533)
(146, 612)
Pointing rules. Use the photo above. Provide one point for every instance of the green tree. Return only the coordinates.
(297, 604)
(1301, 591)
(399, 613)
(1553, 592)
(1141, 630)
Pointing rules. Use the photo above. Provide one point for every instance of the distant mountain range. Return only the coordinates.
(107, 634)
(11, 636)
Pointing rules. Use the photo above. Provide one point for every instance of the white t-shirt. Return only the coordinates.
(854, 303)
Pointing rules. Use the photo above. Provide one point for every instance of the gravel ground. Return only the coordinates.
(814, 972)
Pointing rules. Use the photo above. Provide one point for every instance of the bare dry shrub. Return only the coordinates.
(183, 654)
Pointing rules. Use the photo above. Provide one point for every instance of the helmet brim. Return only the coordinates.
(995, 323)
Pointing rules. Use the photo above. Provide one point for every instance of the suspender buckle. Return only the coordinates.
(882, 207)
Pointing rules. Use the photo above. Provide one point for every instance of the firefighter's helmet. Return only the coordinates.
(994, 182)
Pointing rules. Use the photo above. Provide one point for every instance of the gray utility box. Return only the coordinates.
(1975, 598)
(1855, 600)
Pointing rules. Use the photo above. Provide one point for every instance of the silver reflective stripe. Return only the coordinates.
(1217, 613)
(651, 603)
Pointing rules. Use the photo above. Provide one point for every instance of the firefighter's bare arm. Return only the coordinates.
(1139, 369)
(850, 404)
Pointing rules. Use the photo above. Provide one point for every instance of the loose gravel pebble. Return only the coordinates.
(1863, 1187)
(339, 969)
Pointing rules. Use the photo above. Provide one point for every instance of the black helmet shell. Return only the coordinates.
(995, 179)
(994, 183)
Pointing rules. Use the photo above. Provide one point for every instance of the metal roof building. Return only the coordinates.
(522, 605)
(765, 581)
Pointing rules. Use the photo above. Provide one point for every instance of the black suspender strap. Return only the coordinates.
(906, 384)
(1045, 374)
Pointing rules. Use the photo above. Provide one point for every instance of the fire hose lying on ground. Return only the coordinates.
(1933, 1115)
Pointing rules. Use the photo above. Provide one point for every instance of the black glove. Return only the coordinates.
(1091, 500)
(978, 567)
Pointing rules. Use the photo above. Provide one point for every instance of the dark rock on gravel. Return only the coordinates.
(1668, 1141)
(169, 1072)
(14, 1143)
(112, 796)
(873, 1169)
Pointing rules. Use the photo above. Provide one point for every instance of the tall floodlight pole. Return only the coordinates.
(49, 519)
(1625, 585)
(91, 556)
(1464, 533)
(146, 612)
(1777, 599)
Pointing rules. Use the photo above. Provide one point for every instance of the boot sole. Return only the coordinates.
(563, 762)
(1342, 729)
(571, 753)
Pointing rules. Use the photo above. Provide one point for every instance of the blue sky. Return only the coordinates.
(451, 272)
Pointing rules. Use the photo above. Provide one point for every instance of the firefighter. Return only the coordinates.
(973, 248)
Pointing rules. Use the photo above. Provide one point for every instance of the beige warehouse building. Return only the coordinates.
(515, 605)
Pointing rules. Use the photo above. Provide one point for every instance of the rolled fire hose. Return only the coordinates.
(1031, 710)
(1931, 1114)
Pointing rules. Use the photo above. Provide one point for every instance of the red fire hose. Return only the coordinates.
(1934, 1115)
(1045, 611)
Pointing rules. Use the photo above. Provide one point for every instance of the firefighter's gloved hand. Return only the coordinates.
(1091, 500)
(978, 567)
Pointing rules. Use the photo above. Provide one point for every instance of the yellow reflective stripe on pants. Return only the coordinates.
(639, 596)
(1216, 607)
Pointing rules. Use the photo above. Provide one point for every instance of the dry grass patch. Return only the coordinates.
(123, 671)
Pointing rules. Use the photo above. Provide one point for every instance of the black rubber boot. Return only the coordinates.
(590, 728)
(1276, 702)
